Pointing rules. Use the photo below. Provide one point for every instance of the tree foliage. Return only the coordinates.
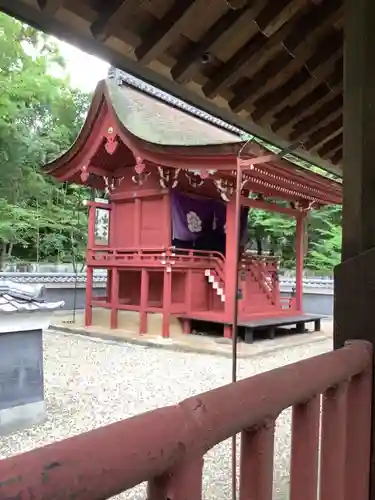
(40, 117)
(276, 233)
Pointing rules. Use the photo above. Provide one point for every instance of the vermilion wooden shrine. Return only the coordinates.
(170, 244)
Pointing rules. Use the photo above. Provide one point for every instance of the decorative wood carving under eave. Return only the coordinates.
(111, 143)
(168, 178)
(140, 176)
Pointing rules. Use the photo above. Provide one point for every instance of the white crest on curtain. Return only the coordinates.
(194, 223)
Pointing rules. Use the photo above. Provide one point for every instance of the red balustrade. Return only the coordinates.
(330, 396)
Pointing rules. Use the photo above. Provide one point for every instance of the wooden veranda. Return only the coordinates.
(274, 69)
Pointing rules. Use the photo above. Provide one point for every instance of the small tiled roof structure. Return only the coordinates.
(16, 297)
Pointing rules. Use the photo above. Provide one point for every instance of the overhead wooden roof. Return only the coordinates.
(272, 67)
(126, 126)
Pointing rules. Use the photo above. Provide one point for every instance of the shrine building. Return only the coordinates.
(166, 232)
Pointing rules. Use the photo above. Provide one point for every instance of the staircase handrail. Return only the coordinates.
(268, 286)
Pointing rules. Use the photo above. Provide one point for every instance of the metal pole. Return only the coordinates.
(237, 236)
(237, 230)
(74, 255)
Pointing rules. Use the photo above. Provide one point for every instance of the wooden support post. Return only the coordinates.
(271, 332)
(355, 276)
(144, 301)
(189, 292)
(300, 250)
(300, 327)
(249, 335)
(137, 223)
(114, 298)
(88, 304)
(108, 288)
(186, 326)
(167, 302)
(228, 331)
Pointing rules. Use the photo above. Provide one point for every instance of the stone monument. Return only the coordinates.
(23, 317)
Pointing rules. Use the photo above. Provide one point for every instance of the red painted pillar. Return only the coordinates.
(167, 302)
(109, 285)
(188, 301)
(300, 251)
(230, 263)
(114, 298)
(144, 301)
(189, 292)
(88, 305)
(137, 223)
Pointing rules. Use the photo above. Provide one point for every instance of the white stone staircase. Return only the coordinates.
(215, 283)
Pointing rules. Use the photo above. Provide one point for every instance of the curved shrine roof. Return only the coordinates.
(155, 122)
(125, 125)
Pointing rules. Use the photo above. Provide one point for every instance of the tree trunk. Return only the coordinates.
(10, 250)
(3, 255)
(73, 248)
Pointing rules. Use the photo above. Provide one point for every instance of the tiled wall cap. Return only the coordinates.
(20, 297)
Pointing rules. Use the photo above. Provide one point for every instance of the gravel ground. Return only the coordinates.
(91, 383)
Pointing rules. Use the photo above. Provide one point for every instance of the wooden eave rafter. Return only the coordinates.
(271, 68)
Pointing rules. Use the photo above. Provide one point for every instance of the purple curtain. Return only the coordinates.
(197, 218)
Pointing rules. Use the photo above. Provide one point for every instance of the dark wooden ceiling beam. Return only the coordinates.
(263, 110)
(312, 25)
(288, 129)
(302, 50)
(108, 18)
(290, 99)
(50, 7)
(330, 146)
(336, 157)
(276, 14)
(323, 115)
(187, 62)
(332, 152)
(310, 97)
(335, 80)
(160, 36)
(255, 52)
(325, 133)
(254, 86)
(302, 106)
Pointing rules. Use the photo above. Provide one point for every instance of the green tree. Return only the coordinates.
(40, 117)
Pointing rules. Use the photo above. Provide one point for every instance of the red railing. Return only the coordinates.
(264, 270)
(155, 256)
(330, 449)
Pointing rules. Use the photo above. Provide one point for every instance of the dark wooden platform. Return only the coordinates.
(280, 320)
(270, 324)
